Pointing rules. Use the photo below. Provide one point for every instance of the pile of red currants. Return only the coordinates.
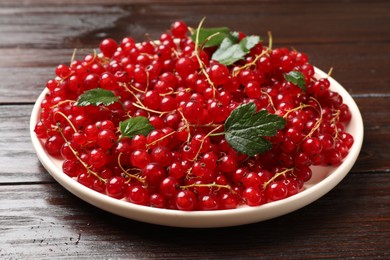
(147, 122)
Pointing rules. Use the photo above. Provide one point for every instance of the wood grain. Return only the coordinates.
(346, 222)
(41, 220)
(73, 25)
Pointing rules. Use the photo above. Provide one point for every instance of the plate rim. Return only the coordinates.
(207, 219)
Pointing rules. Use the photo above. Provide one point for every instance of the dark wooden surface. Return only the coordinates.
(39, 219)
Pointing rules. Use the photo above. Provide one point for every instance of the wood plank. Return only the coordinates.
(18, 160)
(103, 2)
(41, 220)
(150, 2)
(314, 22)
(50, 222)
(50, 26)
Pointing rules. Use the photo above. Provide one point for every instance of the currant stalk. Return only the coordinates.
(84, 164)
(130, 175)
(201, 65)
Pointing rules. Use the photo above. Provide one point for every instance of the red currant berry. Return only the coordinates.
(252, 196)
(218, 73)
(116, 187)
(98, 157)
(161, 155)
(276, 191)
(185, 200)
(106, 139)
(137, 194)
(169, 187)
(153, 173)
(227, 201)
(140, 158)
(108, 47)
(208, 202)
(179, 29)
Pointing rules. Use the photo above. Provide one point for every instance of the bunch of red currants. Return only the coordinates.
(180, 158)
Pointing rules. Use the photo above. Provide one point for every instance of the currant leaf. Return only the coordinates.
(248, 42)
(134, 126)
(96, 97)
(245, 129)
(232, 49)
(210, 37)
(296, 78)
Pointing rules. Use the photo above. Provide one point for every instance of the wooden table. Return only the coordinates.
(40, 219)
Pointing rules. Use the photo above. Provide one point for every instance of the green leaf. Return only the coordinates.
(229, 51)
(296, 78)
(245, 129)
(249, 145)
(216, 36)
(134, 126)
(96, 97)
(249, 42)
(232, 50)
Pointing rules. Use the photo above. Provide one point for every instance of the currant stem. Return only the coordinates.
(218, 134)
(132, 93)
(73, 56)
(136, 89)
(186, 125)
(330, 71)
(162, 138)
(84, 164)
(301, 106)
(250, 64)
(257, 57)
(63, 102)
(208, 39)
(140, 105)
(276, 176)
(171, 92)
(67, 119)
(196, 52)
(202, 142)
(319, 121)
(137, 177)
(335, 119)
(210, 185)
(269, 40)
(150, 110)
(270, 99)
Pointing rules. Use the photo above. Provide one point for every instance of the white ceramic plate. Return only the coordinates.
(324, 179)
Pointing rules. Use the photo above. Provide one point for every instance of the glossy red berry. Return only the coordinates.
(115, 187)
(137, 194)
(169, 187)
(179, 29)
(252, 196)
(219, 74)
(98, 157)
(182, 158)
(185, 200)
(140, 158)
(108, 47)
(53, 145)
(276, 191)
(62, 71)
(153, 173)
(106, 139)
